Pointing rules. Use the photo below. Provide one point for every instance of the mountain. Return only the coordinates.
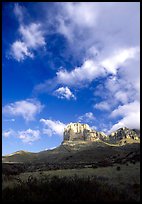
(82, 144)
(125, 135)
(82, 132)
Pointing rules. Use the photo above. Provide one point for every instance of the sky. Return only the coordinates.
(68, 62)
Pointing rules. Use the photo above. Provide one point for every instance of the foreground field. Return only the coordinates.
(120, 182)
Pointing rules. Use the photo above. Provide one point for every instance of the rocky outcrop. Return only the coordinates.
(125, 133)
(82, 132)
(78, 131)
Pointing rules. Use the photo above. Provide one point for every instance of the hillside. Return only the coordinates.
(77, 150)
(76, 153)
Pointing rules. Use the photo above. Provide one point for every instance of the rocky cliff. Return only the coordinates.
(78, 131)
(125, 134)
(82, 132)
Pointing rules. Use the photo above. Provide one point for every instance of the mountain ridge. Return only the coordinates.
(78, 150)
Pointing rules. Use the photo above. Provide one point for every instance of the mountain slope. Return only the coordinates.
(122, 141)
(76, 152)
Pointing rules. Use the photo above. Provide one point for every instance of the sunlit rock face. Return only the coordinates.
(82, 132)
(125, 133)
(78, 131)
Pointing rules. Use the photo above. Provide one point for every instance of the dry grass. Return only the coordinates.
(123, 184)
(127, 174)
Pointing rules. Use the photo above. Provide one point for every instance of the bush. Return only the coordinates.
(63, 189)
(118, 168)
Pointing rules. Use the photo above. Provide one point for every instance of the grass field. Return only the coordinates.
(118, 182)
(74, 172)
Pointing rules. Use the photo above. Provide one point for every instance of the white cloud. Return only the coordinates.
(99, 23)
(32, 37)
(19, 51)
(126, 109)
(121, 96)
(53, 127)
(25, 108)
(18, 11)
(48, 132)
(29, 135)
(78, 76)
(132, 121)
(26, 136)
(87, 117)
(111, 64)
(78, 11)
(92, 69)
(8, 133)
(112, 84)
(64, 92)
(102, 106)
(121, 88)
(130, 116)
(9, 120)
(71, 15)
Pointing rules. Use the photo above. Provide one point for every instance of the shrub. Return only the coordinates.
(118, 168)
(64, 189)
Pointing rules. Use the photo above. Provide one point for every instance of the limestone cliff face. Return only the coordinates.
(78, 131)
(124, 133)
(82, 132)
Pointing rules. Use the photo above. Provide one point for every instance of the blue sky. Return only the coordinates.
(68, 62)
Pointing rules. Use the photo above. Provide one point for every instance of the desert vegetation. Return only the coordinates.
(87, 184)
(65, 189)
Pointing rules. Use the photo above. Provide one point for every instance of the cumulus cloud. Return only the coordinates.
(120, 89)
(87, 117)
(132, 121)
(92, 69)
(102, 106)
(110, 46)
(126, 109)
(102, 26)
(86, 73)
(25, 108)
(20, 50)
(19, 11)
(130, 114)
(78, 11)
(70, 18)
(64, 92)
(111, 64)
(53, 127)
(29, 135)
(32, 37)
(78, 77)
(26, 136)
(121, 96)
(8, 133)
